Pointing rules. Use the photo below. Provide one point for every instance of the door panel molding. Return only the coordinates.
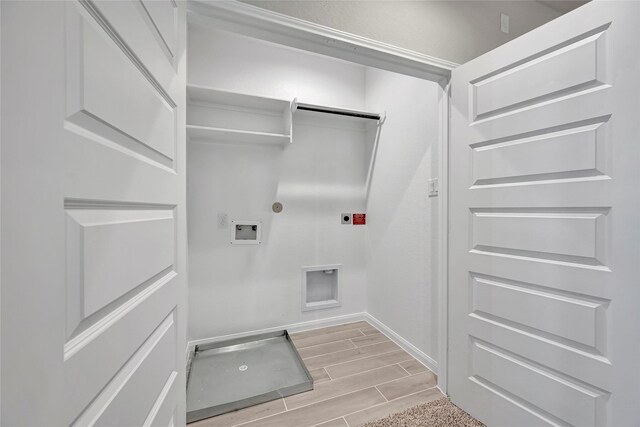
(572, 319)
(543, 237)
(569, 68)
(93, 214)
(576, 152)
(576, 236)
(155, 356)
(565, 398)
(163, 18)
(111, 95)
(94, 11)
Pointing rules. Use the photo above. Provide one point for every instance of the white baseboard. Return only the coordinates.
(331, 321)
(404, 344)
(295, 327)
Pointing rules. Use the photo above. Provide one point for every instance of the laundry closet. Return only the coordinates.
(251, 145)
(306, 195)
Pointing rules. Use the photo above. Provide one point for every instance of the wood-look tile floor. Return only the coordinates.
(359, 376)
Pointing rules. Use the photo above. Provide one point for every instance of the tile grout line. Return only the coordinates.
(366, 357)
(261, 418)
(324, 400)
(364, 372)
(340, 395)
(372, 369)
(364, 388)
(369, 357)
(309, 404)
(409, 373)
(371, 336)
(327, 372)
(293, 335)
(381, 394)
(346, 349)
(345, 421)
(333, 419)
(322, 328)
(330, 342)
(294, 338)
(415, 392)
(390, 401)
(368, 370)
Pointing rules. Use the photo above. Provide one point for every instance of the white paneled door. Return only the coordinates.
(93, 213)
(544, 232)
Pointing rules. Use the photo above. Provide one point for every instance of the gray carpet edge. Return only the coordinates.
(437, 413)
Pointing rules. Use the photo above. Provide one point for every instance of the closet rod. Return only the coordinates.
(338, 111)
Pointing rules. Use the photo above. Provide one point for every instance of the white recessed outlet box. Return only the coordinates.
(504, 23)
(246, 232)
(432, 186)
(321, 287)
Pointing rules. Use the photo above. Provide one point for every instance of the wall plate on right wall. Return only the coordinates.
(432, 186)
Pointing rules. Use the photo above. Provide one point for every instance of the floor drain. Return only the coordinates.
(243, 368)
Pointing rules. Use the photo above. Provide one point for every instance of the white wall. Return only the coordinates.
(248, 65)
(236, 289)
(453, 30)
(402, 223)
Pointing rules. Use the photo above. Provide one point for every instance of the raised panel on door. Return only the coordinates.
(570, 67)
(113, 97)
(124, 208)
(559, 235)
(573, 319)
(543, 245)
(575, 151)
(150, 31)
(565, 400)
(164, 16)
(93, 213)
(130, 397)
(112, 252)
(119, 334)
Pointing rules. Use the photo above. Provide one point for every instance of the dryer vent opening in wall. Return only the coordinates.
(246, 232)
(321, 287)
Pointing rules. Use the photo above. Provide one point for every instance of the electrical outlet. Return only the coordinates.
(359, 219)
(432, 186)
(504, 23)
(223, 220)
